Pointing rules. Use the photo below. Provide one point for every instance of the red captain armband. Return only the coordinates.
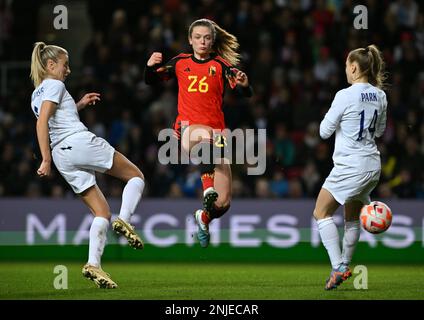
(231, 77)
(164, 72)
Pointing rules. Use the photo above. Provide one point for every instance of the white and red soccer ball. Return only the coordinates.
(376, 217)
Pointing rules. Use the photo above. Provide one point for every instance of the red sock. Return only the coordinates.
(205, 217)
(207, 180)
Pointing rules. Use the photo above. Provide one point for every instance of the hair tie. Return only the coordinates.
(367, 50)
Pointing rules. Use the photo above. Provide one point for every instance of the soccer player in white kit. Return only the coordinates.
(357, 115)
(78, 154)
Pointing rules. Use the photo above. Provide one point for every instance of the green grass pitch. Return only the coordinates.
(208, 281)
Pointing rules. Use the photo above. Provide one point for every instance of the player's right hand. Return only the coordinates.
(155, 58)
(44, 170)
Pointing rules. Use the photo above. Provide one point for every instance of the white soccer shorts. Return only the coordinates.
(78, 156)
(350, 187)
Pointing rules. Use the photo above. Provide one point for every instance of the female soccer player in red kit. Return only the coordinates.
(202, 77)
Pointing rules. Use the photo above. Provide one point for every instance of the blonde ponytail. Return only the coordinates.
(37, 68)
(40, 54)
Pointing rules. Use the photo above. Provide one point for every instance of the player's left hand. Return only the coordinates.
(241, 79)
(89, 99)
(44, 169)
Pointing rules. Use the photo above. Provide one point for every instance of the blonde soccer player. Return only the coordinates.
(357, 116)
(78, 154)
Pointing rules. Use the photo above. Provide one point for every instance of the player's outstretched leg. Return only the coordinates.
(98, 276)
(202, 221)
(125, 170)
(123, 228)
(337, 276)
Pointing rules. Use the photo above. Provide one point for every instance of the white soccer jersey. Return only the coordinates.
(358, 115)
(65, 121)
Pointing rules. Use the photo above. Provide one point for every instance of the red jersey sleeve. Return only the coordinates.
(162, 72)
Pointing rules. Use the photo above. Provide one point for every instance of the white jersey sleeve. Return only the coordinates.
(54, 91)
(332, 118)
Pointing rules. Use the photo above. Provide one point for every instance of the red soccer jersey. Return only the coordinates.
(201, 85)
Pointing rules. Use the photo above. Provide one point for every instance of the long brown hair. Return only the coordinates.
(371, 64)
(40, 54)
(224, 43)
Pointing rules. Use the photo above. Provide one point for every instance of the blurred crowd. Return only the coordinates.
(294, 54)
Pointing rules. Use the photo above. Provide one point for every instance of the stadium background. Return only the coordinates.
(294, 54)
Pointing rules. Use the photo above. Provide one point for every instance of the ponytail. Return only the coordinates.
(371, 64)
(377, 75)
(37, 67)
(226, 45)
(40, 54)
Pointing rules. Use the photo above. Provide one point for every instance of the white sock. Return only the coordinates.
(350, 239)
(131, 197)
(330, 239)
(98, 235)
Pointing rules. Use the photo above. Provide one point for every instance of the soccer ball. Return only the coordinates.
(376, 217)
